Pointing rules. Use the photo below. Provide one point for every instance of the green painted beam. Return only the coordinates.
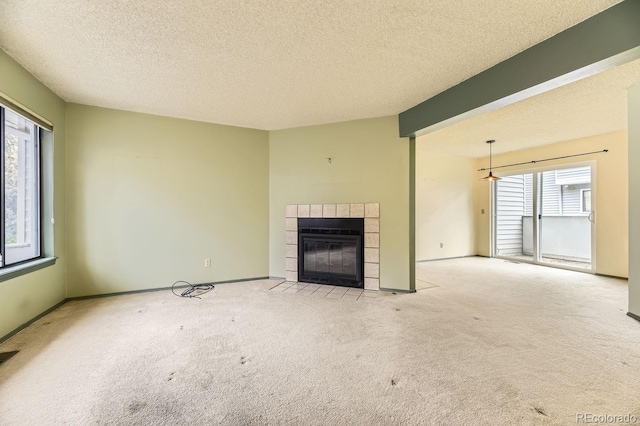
(606, 40)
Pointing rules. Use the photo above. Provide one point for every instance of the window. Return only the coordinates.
(19, 189)
(585, 200)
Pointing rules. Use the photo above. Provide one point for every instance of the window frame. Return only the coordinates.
(582, 207)
(47, 187)
(3, 126)
(10, 269)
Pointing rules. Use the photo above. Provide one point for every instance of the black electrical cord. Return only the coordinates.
(193, 290)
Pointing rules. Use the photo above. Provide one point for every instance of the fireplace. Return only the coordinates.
(369, 213)
(331, 251)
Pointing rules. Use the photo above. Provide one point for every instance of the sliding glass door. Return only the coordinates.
(566, 217)
(546, 217)
(513, 230)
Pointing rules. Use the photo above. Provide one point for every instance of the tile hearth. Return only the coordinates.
(328, 291)
(369, 211)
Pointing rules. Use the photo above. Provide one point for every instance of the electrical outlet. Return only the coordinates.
(441, 245)
(207, 263)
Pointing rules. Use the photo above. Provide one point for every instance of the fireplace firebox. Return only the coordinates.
(330, 251)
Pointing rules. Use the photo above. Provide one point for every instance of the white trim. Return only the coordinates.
(582, 210)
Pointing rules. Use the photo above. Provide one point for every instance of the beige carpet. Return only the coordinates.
(492, 343)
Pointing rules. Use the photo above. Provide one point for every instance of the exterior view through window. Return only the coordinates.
(20, 186)
(551, 224)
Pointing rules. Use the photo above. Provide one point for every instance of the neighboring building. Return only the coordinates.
(565, 205)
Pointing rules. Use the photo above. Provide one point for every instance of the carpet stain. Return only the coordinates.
(393, 382)
(171, 376)
(540, 411)
(136, 406)
(243, 360)
(624, 363)
(476, 318)
(182, 327)
(46, 323)
(397, 309)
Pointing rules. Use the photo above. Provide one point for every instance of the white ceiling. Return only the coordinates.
(588, 107)
(272, 64)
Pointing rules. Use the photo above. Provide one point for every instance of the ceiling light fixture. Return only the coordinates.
(490, 177)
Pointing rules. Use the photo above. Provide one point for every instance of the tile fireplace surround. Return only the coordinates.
(371, 214)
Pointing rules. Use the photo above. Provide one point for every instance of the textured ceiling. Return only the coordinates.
(272, 64)
(588, 107)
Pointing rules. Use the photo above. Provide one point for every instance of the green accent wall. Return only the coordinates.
(149, 198)
(24, 297)
(370, 164)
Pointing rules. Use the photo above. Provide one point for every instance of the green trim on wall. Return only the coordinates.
(412, 214)
(633, 153)
(395, 290)
(601, 42)
(448, 258)
(612, 276)
(122, 293)
(26, 268)
(148, 290)
(47, 215)
(31, 321)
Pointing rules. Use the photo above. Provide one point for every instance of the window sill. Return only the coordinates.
(26, 268)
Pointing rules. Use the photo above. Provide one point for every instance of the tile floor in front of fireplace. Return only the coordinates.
(328, 291)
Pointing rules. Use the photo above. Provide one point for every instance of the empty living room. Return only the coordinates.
(332, 213)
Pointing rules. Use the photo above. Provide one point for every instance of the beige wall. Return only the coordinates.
(611, 204)
(149, 198)
(25, 297)
(444, 205)
(370, 163)
(634, 199)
